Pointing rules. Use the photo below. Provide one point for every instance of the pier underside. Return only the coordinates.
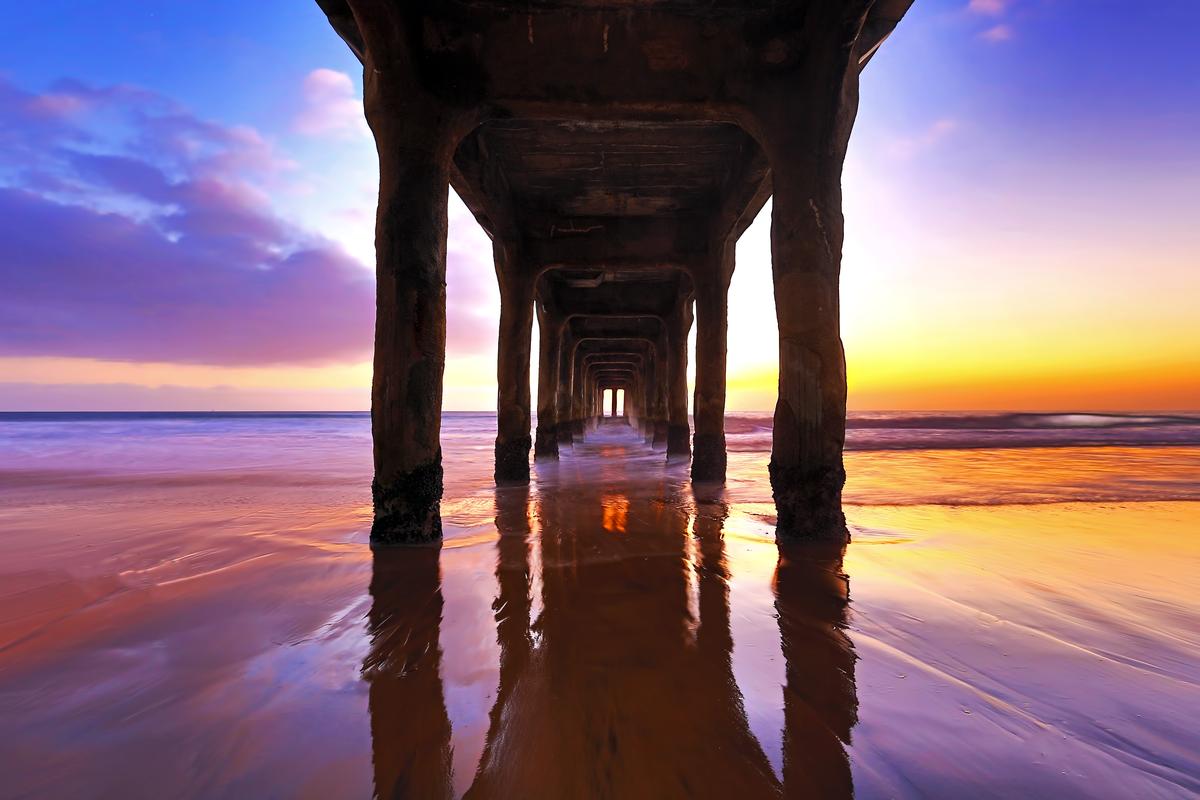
(614, 152)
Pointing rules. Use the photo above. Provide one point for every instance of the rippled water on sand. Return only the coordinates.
(188, 608)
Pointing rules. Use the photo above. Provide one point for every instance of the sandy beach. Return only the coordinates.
(190, 608)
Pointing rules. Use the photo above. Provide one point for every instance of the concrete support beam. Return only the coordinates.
(416, 137)
(678, 432)
(645, 399)
(566, 387)
(597, 409)
(712, 324)
(550, 332)
(629, 244)
(512, 368)
(807, 149)
(615, 178)
(619, 363)
(580, 395)
(662, 386)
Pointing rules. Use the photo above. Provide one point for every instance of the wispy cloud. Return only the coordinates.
(997, 33)
(991, 8)
(995, 9)
(137, 231)
(939, 130)
(330, 106)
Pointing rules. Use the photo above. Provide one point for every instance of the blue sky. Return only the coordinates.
(1021, 200)
(231, 61)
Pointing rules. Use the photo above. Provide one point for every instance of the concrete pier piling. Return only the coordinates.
(614, 153)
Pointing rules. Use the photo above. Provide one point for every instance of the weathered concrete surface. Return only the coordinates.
(678, 325)
(550, 333)
(417, 144)
(512, 370)
(712, 329)
(614, 152)
(566, 386)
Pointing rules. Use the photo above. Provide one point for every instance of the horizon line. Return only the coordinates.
(533, 414)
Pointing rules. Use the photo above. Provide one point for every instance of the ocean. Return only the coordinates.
(189, 607)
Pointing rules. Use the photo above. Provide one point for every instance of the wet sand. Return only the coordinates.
(206, 620)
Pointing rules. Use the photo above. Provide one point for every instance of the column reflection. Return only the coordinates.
(820, 703)
(614, 691)
(623, 684)
(511, 610)
(410, 729)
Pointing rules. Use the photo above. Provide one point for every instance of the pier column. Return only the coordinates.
(810, 415)
(678, 433)
(566, 380)
(512, 367)
(807, 471)
(550, 338)
(589, 401)
(647, 396)
(712, 326)
(661, 389)
(579, 394)
(415, 138)
(806, 127)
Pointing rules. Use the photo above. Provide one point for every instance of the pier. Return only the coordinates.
(614, 152)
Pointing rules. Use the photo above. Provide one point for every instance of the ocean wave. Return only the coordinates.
(1020, 421)
(910, 431)
(36, 433)
(750, 423)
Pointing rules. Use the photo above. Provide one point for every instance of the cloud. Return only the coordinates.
(997, 33)
(937, 132)
(330, 106)
(134, 230)
(990, 8)
(216, 289)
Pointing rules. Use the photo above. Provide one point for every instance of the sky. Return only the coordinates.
(187, 196)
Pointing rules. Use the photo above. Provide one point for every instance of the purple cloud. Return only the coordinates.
(135, 231)
(330, 106)
(77, 282)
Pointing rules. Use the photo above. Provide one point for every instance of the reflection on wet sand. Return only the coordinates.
(622, 685)
(163, 634)
(410, 730)
(820, 705)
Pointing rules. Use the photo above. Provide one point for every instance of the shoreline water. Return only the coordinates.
(193, 605)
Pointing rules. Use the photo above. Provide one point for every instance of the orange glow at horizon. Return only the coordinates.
(917, 379)
(1049, 328)
(980, 318)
